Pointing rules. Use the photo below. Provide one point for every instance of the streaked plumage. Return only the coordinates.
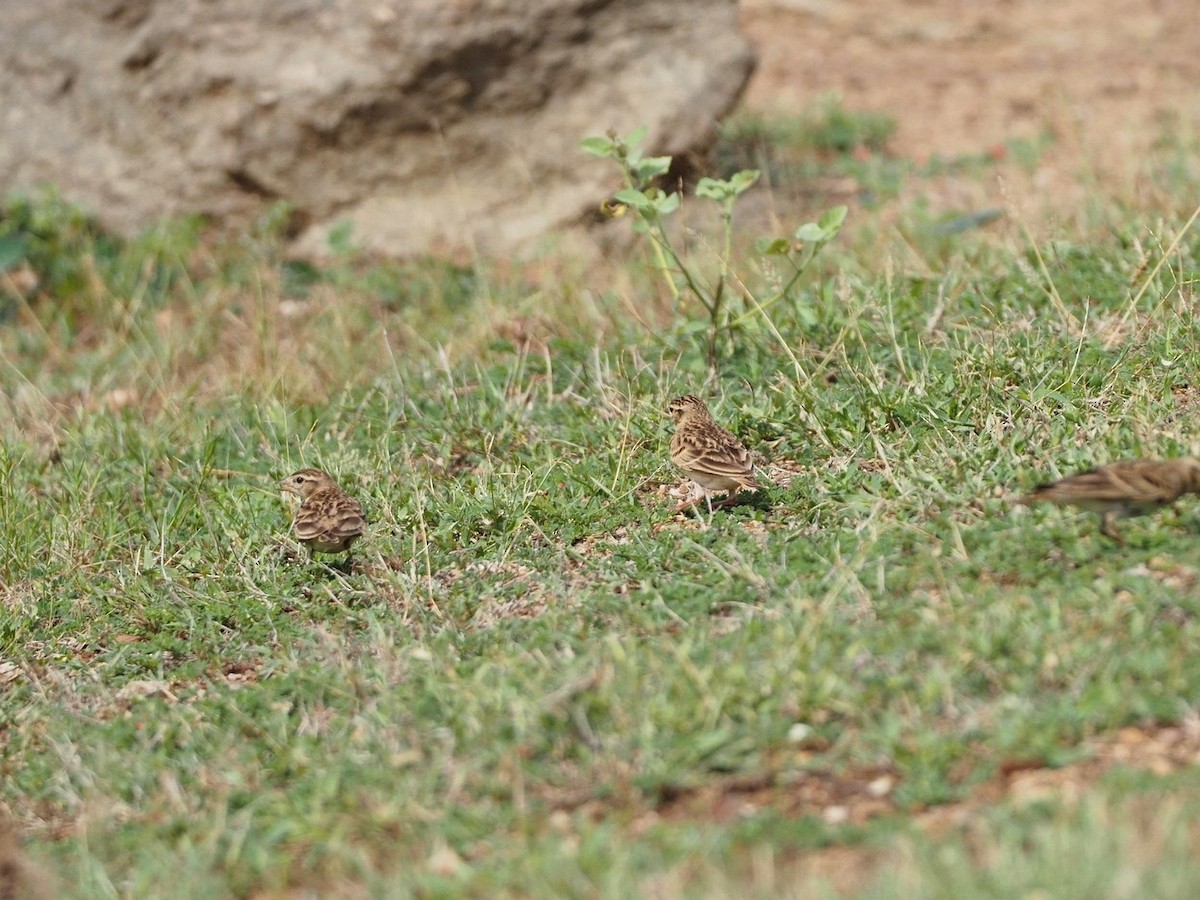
(1122, 489)
(329, 520)
(711, 456)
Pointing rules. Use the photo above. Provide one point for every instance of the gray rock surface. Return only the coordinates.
(432, 125)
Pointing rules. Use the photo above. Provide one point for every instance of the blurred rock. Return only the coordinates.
(429, 124)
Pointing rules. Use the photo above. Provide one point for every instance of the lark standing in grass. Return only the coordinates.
(708, 454)
(329, 520)
(1122, 489)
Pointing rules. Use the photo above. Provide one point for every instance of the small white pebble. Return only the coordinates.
(799, 732)
(836, 815)
(444, 861)
(881, 786)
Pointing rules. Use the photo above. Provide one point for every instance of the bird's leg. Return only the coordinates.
(693, 498)
(731, 498)
(1108, 526)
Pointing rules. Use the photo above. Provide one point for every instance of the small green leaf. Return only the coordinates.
(668, 204)
(831, 220)
(744, 180)
(651, 167)
(636, 199)
(773, 246)
(718, 189)
(598, 146)
(810, 232)
(712, 188)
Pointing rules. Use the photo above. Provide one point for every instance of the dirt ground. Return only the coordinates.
(857, 797)
(962, 77)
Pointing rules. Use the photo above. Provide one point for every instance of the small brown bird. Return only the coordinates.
(20, 879)
(1123, 489)
(708, 454)
(329, 520)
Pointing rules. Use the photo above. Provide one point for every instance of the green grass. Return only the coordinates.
(534, 673)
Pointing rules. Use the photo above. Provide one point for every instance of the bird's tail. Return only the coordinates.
(1040, 494)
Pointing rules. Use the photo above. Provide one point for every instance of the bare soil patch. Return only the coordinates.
(856, 797)
(963, 78)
